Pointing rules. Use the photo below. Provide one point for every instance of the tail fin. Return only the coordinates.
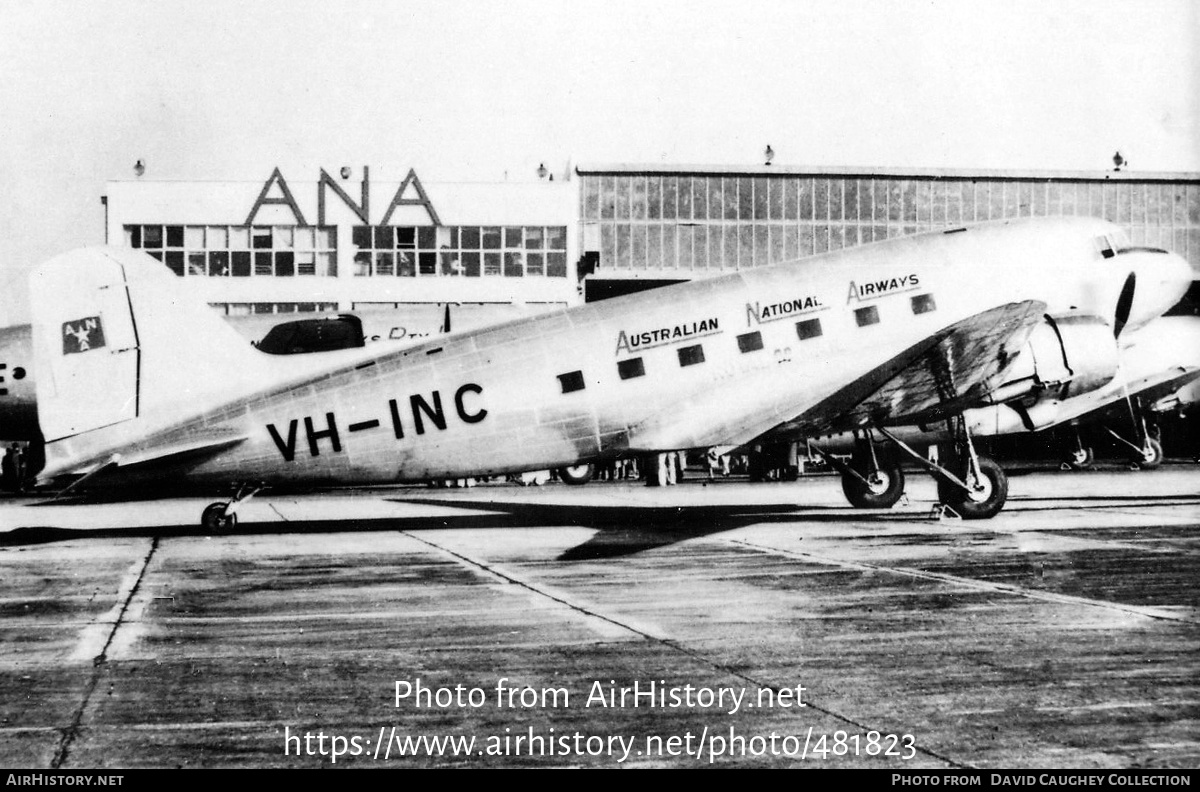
(116, 338)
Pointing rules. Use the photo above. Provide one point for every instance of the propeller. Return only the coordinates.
(1124, 305)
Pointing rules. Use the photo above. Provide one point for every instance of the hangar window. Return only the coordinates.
(923, 303)
(241, 263)
(750, 342)
(628, 369)
(809, 328)
(245, 309)
(468, 251)
(867, 316)
(690, 356)
(241, 251)
(571, 381)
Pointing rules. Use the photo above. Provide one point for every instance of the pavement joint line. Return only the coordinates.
(670, 643)
(981, 585)
(71, 732)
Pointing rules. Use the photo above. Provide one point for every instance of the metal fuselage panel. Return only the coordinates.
(506, 399)
(18, 399)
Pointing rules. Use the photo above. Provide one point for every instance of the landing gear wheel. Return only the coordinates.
(885, 488)
(576, 475)
(987, 495)
(216, 520)
(1151, 456)
(1081, 458)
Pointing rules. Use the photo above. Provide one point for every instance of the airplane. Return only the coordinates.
(904, 331)
(1158, 371)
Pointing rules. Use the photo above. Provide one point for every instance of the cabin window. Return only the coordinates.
(867, 316)
(628, 369)
(750, 342)
(923, 303)
(809, 328)
(690, 356)
(571, 381)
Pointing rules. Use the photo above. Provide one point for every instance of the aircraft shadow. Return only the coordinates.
(627, 530)
(619, 530)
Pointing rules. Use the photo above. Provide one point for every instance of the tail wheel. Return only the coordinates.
(883, 488)
(1151, 456)
(987, 495)
(214, 519)
(576, 475)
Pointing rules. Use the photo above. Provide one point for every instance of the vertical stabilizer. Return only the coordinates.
(116, 338)
(85, 345)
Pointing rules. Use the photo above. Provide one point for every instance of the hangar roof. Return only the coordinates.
(883, 173)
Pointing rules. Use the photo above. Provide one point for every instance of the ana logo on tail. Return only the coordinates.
(82, 335)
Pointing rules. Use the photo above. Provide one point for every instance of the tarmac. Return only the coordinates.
(714, 623)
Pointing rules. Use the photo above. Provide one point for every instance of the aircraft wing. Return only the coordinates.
(933, 380)
(936, 377)
(1150, 388)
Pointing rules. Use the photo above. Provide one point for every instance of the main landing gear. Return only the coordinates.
(222, 516)
(577, 475)
(1080, 456)
(972, 485)
(1146, 454)
(1149, 453)
(871, 480)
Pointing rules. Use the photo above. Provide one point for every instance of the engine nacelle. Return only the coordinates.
(1066, 355)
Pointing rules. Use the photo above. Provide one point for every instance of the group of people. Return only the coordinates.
(619, 470)
(670, 467)
(12, 469)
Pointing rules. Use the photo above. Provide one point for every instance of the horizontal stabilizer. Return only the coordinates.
(188, 449)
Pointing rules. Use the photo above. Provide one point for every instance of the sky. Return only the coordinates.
(485, 91)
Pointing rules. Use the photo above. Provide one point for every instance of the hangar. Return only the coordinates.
(649, 224)
(312, 241)
(287, 244)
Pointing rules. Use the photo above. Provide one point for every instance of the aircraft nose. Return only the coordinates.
(1176, 276)
(1162, 281)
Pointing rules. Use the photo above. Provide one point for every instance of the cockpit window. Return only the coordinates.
(1114, 242)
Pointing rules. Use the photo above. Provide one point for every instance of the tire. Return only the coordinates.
(1151, 457)
(577, 475)
(980, 505)
(1080, 458)
(215, 520)
(886, 489)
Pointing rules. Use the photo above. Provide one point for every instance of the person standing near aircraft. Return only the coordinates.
(666, 469)
(7, 471)
(12, 469)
